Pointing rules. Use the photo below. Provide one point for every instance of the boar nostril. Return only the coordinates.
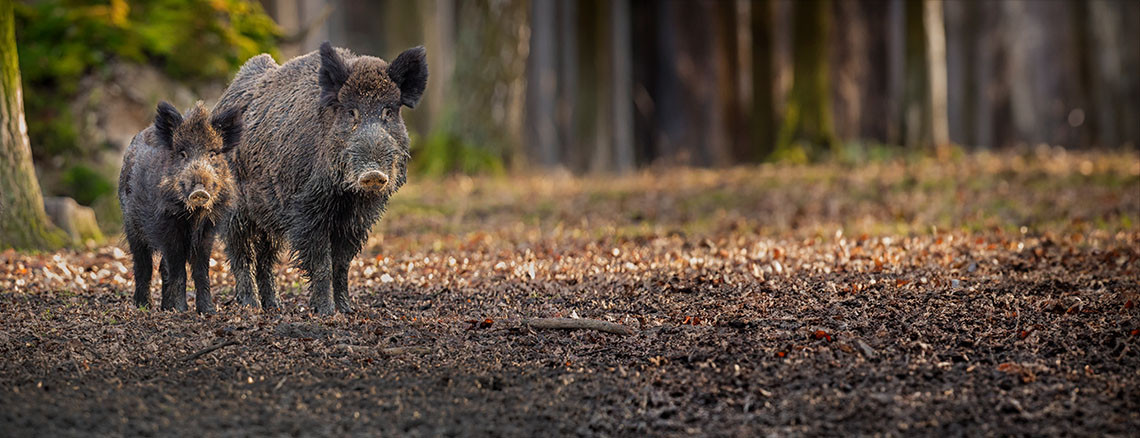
(199, 198)
(373, 179)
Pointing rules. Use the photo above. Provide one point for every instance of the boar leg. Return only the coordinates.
(200, 272)
(162, 275)
(267, 249)
(174, 282)
(315, 260)
(341, 259)
(144, 267)
(239, 252)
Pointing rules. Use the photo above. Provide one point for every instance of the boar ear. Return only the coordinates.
(228, 125)
(167, 120)
(409, 71)
(333, 74)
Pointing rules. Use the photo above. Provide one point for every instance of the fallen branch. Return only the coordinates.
(393, 351)
(578, 324)
(210, 349)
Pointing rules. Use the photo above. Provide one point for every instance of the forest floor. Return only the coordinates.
(988, 295)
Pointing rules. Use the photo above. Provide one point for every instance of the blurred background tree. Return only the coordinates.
(608, 85)
(715, 83)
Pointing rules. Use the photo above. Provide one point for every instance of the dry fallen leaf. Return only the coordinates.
(477, 324)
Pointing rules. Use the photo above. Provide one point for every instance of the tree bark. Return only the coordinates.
(23, 223)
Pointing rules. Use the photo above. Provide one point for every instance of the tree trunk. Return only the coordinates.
(23, 223)
(896, 55)
(568, 80)
(916, 93)
(730, 86)
(439, 38)
(807, 130)
(875, 122)
(622, 77)
(488, 83)
(542, 85)
(935, 27)
(763, 80)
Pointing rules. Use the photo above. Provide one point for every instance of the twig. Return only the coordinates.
(868, 352)
(210, 349)
(393, 351)
(578, 324)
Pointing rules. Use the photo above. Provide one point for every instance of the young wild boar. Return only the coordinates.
(174, 188)
(324, 148)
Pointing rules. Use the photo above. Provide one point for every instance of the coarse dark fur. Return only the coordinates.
(174, 188)
(324, 148)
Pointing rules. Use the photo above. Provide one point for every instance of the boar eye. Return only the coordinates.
(386, 114)
(183, 153)
(355, 114)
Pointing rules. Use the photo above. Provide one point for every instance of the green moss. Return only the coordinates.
(62, 41)
(109, 213)
(86, 185)
(443, 152)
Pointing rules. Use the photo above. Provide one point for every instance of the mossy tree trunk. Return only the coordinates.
(23, 223)
(807, 130)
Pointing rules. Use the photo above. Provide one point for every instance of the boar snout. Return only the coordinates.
(372, 180)
(198, 198)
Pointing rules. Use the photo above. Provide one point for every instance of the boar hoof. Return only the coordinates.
(207, 309)
(323, 308)
(246, 300)
(344, 307)
(270, 305)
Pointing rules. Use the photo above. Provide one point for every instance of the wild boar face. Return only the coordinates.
(369, 141)
(196, 174)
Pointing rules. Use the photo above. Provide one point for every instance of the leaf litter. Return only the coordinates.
(990, 295)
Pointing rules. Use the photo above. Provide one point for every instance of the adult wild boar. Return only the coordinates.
(323, 150)
(175, 187)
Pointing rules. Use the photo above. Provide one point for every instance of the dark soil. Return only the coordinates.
(992, 295)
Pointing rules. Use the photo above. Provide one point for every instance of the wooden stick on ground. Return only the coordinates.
(210, 349)
(578, 324)
(415, 349)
